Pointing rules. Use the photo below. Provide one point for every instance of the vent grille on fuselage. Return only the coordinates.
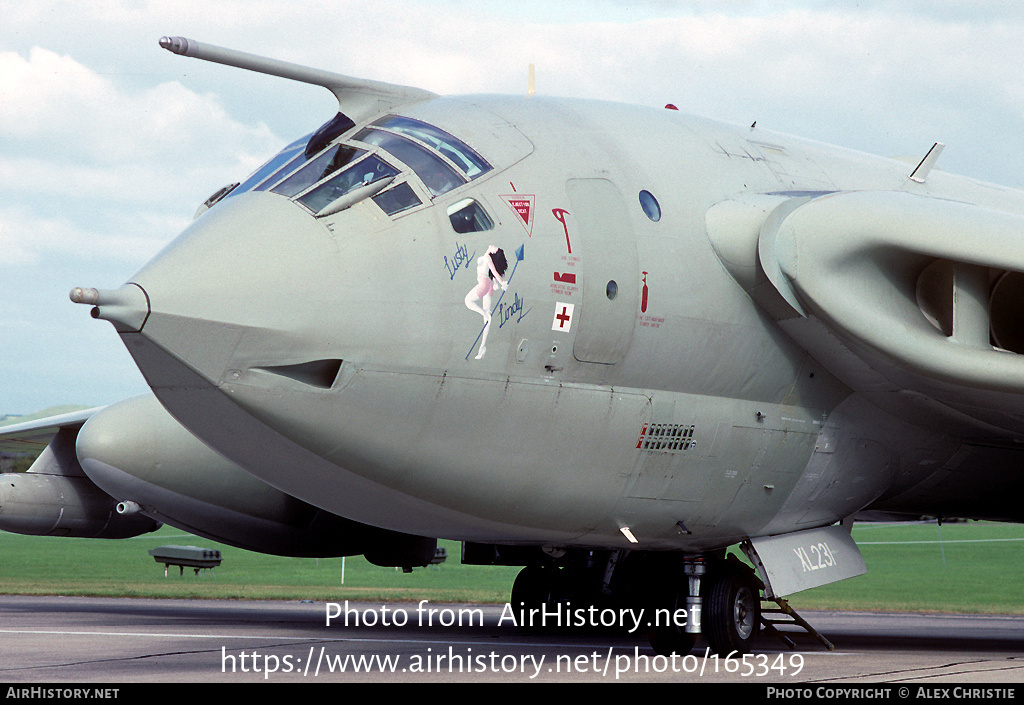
(666, 437)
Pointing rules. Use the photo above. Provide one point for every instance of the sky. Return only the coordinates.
(108, 143)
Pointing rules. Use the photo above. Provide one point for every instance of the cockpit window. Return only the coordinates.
(460, 154)
(397, 199)
(324, 165)
(283, 157)
(359, 174)
(435, 173)
(284, 171)
(384, 165)
(468, 216)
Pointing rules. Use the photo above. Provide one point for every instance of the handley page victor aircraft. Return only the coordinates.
(599, 341)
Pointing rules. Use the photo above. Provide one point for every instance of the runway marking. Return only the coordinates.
(291, 641)
(151, 634)
(305, 639)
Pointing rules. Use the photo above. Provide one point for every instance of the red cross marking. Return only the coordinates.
(563, 317)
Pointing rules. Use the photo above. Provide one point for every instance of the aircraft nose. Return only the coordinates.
(224, 295)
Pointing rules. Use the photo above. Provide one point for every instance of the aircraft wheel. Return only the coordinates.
(528, 590)
(732, 613)
(669, 639)
(537, 588)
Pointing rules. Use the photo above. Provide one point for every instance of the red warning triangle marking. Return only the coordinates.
(522, 205)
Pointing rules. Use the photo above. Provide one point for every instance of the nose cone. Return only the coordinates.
(260, 316)
(225, 295)
(255, 289)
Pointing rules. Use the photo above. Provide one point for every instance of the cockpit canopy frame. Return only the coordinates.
(327, 167)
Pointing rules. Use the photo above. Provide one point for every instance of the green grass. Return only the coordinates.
(978, 568)
(42, 565)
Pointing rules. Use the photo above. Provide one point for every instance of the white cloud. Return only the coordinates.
(65, 110)
(98, 170)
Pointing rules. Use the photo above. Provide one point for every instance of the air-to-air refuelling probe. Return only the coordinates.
(599, 341)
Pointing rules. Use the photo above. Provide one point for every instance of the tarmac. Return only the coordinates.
(123, 640)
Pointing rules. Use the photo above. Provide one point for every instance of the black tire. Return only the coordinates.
(672, 638)
(539, 588)
(528, 592)
(525, 590)
(731, 620)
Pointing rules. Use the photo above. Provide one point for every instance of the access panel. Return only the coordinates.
(608, 261)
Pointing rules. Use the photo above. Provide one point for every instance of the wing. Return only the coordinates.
(33, 436)
(54, 497)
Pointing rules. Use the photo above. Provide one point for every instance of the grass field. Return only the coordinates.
(972, 567)
(976, 568)
(39, 565)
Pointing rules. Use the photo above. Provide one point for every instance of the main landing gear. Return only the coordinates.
(721, 599)
(676, 597)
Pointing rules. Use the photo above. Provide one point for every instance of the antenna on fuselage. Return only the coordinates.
(927, 164)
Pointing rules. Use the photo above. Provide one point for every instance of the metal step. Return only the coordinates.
(790, 617)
